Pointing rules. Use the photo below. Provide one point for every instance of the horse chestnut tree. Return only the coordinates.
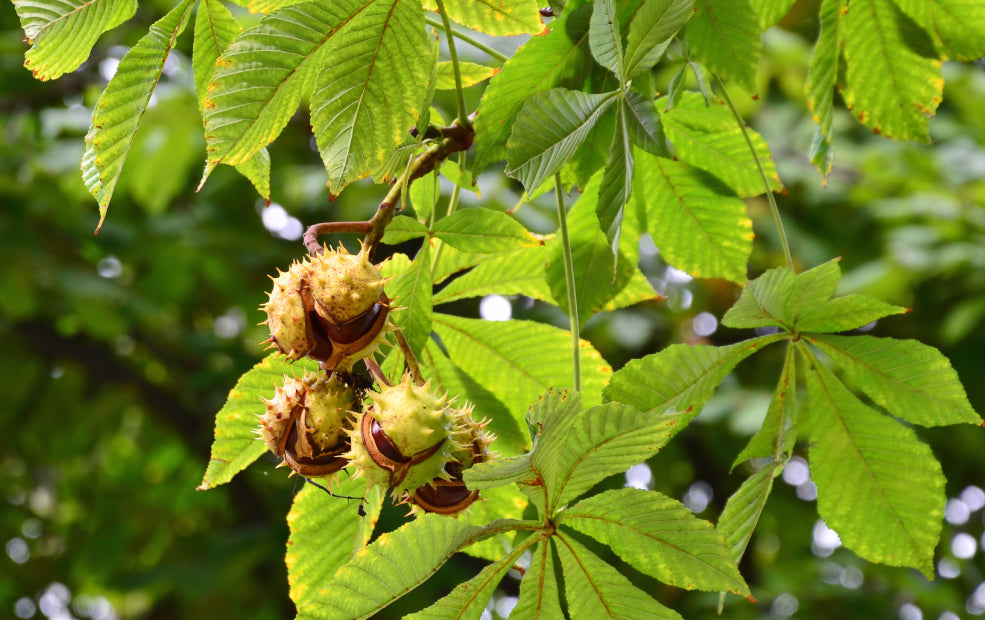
(630, 106)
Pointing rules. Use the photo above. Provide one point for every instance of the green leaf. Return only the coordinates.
(879, 487)
(424, 194)
(264, 73)
(540, 64)
(658, 536)
(256, 169)
(743, 509)
(513, 273)
(959, 28)
(549, 130)
(404, 228)
(643, 125)
(484, 231)
(504, 502)
(396, 563)
(371, 92)
(121, 106)
(469, 599)
(764, 301)
(845, 313)
(410, 294)
(62, 34)
(510, 438)
(325, 533)
(598, 280)
(603, 441)
(604, 39)
(813, 288)
(709, 137)
(236, 444)
(472, 73)
(822, 76)
(651, 31)
(779, 430)
(703, 228)
(594, 589)
(893, 83)
(909, 379)
(680, 377)
(495, 17)
(518, 360)
(770, 11)
(725, 36)
(499, 472)
(617, 180)
(215, 28)
(463, 179)
(539, 598)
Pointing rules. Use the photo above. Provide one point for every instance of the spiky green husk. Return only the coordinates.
(360, 459)
(275, 423)
(413, 417)
(285, 313)
(328, 405)
(344, 285)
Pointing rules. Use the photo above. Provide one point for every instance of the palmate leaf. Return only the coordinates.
(539, 598)
(549, 130)
(725, 36)
(822, 75)
(540, 64)
(326, 531)
(394, 564)
(879, 487)
(469, 599)
(236, 444)
(518, 360)
(603, 441)
(404, 228)
(62, 33)
(495, 17)
(594, 589)
(708, 137)
(120, 108)
(698, 224)
(373, 89)
(681, 376)
(911, 380)
(658, 536)
(484, 231)
(264, 73)
(410, 294)
(651, 31)
(515, 273)
(893, 83)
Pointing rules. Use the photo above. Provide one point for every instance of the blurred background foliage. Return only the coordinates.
(120, 348)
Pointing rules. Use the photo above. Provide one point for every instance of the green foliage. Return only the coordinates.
(574, 106)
